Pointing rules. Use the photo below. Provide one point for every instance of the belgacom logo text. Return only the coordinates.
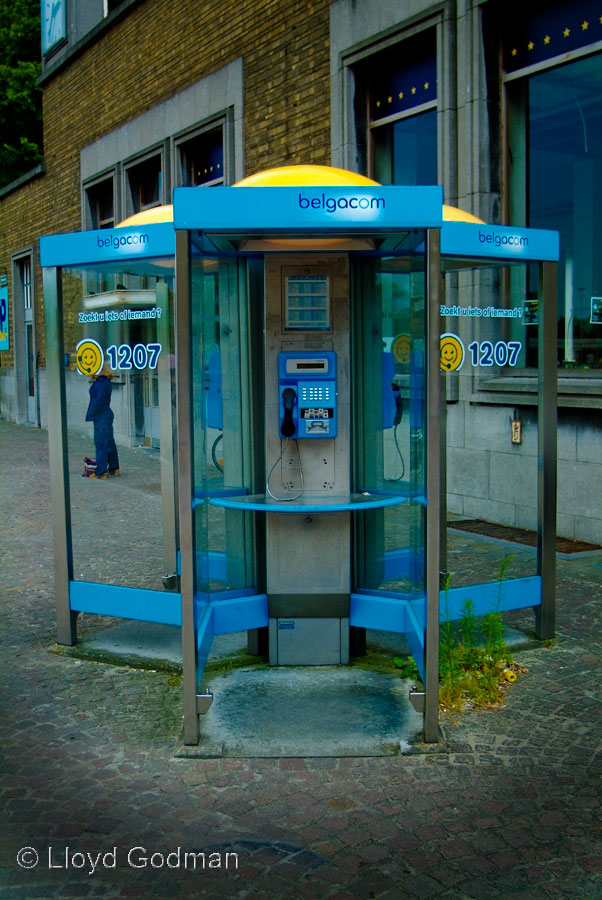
(332, 204)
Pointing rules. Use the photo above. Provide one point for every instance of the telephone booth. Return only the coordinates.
(314, 338)
(109, 300)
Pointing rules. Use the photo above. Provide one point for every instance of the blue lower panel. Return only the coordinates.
(125, 602)
(398, 614)
(226, 616)
(379, 612)
(240, 613)
(491, 597)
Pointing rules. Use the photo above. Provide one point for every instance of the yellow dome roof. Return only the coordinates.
(453, 214)
(291, 176)
(149, 217)
(308, 176)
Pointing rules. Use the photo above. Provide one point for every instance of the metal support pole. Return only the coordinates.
(443, 467)
(185, 485)
(433, 486)
(58, 454)
(545, 614)
(167, 441)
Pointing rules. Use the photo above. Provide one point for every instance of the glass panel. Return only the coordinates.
(405, 152)
(491, 447)
(390, 343)
(25, 271)
(29, 349)
(222, 423)
(123, 525)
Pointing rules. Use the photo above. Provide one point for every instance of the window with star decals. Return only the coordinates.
(401, 98)
(201, 158)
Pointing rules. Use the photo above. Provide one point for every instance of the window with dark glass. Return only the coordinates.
(24, 274)
(202, 159)
(100, 203)
(555, 165)
(145, 185)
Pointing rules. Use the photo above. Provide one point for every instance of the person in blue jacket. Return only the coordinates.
(100, 413)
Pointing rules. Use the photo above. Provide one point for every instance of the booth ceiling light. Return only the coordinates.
(341, 243)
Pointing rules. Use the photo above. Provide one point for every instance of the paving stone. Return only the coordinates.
(510, 809)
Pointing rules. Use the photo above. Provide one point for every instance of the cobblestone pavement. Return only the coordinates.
(509, 808)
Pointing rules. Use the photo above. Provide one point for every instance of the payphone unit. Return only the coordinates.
(308, 391)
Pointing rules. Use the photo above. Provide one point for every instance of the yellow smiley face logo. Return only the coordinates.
(401, 349)
(452, 352)
(89, 357)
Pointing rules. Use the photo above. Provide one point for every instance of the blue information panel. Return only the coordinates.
(4, 334)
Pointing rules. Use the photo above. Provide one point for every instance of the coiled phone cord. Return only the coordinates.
(302, 491)
(400, 454)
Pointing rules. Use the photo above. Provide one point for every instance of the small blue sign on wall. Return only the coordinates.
(4, 337)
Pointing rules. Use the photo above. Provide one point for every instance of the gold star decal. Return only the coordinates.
(389, 99)
(530, 45)
(413, 90)
(584, 26)
(514, 52)
(400, 95)
(566, 32)
(546, 40)
(426, 85)
(378, 102)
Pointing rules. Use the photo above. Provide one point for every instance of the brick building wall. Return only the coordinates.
(154, 54)
(155, 51)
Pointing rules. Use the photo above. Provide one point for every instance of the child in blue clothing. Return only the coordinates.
(101, 414)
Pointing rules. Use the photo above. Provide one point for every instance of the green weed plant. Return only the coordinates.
(471, 673)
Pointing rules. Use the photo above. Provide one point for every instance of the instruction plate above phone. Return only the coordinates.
(307, 303)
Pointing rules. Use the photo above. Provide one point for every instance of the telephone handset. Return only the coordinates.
(307, 394)
(287, 428)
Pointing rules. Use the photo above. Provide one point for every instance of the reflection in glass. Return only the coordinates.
(489, 479)
(224, 442)
(390, 345)
(123, 527)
